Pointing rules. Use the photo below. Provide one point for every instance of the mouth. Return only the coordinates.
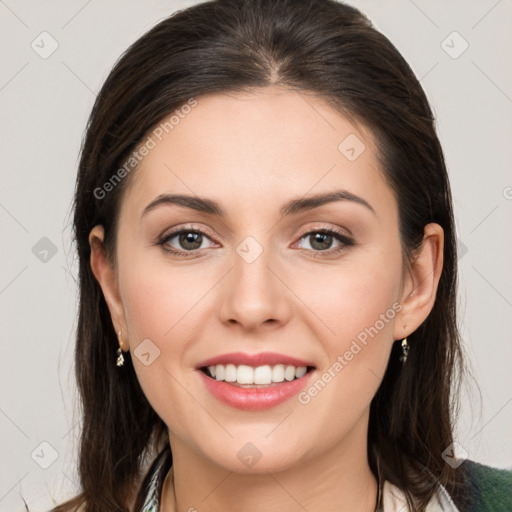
(255, 382)
(246, 376)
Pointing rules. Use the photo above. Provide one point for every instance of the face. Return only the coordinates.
(248, 273)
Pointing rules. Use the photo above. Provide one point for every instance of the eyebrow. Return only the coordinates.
(292, 207)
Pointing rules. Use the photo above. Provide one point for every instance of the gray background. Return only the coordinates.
(44, 105)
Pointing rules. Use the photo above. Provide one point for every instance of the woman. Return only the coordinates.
(268, 274)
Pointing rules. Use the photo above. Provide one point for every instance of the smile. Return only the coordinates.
(255, 382)
(244, 375)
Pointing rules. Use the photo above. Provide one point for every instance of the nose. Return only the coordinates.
(254, 294)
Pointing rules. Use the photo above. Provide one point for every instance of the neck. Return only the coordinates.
(339, 480)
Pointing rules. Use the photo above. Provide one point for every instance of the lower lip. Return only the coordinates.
(254, 399)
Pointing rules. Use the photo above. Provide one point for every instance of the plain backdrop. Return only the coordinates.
(460, 50)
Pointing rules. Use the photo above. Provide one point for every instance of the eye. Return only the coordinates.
(321, 240)
(187, 242)
(184, 241)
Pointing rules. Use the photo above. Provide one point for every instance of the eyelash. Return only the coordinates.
(345, 241)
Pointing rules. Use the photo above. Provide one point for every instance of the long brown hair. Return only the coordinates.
(317, 46)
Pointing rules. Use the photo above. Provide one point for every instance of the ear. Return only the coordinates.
(106, 277)
(420, 282)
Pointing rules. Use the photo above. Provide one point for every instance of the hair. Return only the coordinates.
(319, 47)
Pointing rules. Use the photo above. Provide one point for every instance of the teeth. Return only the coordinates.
(230, 374)
(278, 373)
(247, 375)
(300, 372)
(220, 372)
(263, 375)
(244, 374)
(289, 373)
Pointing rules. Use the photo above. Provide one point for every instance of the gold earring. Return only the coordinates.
(405, 351)
(120, 357)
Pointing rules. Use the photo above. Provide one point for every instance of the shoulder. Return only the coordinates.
(488, 489)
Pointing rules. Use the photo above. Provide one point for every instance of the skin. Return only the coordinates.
(252, 152)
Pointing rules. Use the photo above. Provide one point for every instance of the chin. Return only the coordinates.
(250, 454)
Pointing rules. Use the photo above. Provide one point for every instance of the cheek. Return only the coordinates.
(356, 307)
(163, 315)
(350, 299)
(360, 308)
(161, 302)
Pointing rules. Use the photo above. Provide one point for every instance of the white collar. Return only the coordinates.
(393, 500)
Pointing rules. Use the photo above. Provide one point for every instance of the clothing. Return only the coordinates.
(490, 490)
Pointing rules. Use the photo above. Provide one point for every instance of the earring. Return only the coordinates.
(120, 357)
(405, 351)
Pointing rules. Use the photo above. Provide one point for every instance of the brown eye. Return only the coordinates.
(190, 240)
(325, 240)
(184, 242)
(320, 241)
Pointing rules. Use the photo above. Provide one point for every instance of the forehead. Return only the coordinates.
(249, 149)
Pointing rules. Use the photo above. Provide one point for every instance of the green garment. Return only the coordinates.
(489, 489)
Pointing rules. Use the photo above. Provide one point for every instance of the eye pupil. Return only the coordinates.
(324, 239)
(194, 239)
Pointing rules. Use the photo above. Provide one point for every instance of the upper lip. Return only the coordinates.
(261, 359)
